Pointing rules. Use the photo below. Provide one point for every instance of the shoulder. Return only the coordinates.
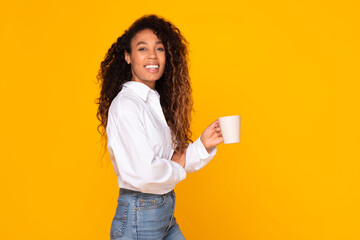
(125, 102)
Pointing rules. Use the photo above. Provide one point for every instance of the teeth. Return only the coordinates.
(152, 66)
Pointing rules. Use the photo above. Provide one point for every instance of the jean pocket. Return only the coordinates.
(151, 202)
(119, 222)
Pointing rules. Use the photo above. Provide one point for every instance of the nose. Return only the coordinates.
(152, 54)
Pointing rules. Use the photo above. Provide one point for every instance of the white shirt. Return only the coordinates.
(140, 146)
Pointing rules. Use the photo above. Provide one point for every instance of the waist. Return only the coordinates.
(124, 191)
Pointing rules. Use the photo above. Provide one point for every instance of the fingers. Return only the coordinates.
(218, 129)
(216, 139)
(214, 124)
(215, 128)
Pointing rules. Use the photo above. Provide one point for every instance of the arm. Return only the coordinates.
(199, 153)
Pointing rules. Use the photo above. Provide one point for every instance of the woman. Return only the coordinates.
(145, 109)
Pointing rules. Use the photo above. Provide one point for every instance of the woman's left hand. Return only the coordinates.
(212, 136)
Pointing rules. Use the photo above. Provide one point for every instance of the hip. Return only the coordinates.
(143, 215)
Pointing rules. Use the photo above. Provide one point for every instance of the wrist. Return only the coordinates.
(208, 148)
(203, 142)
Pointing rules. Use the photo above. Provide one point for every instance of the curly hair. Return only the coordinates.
(174, 85)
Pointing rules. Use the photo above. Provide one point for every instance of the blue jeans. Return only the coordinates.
(145, 216)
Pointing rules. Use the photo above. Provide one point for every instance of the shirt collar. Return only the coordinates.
(140, 89)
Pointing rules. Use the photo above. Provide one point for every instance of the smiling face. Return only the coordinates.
(147, 58)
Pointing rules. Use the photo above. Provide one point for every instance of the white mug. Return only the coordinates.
(230, 128)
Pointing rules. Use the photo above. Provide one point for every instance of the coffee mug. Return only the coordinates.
(230, 128)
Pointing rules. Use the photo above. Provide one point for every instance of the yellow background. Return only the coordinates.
(289, 68)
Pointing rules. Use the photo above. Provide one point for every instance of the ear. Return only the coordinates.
(127, 57)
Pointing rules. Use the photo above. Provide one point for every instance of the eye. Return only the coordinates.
(161, 49)
(141, 49)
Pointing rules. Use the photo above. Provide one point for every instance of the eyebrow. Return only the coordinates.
(142, 42)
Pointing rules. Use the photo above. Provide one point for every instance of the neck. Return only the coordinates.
(150, 84)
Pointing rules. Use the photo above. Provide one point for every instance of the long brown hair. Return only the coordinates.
(174, 86)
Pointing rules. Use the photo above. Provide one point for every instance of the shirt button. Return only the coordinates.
(137, 208)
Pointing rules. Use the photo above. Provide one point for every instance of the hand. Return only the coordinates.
(179, 157)
(212, 136)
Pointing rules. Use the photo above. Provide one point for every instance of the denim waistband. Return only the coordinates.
(124, 191)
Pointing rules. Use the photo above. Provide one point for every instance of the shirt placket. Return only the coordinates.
(156, 106)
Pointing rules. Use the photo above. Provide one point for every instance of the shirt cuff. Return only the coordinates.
(203, 153)
(197, 156)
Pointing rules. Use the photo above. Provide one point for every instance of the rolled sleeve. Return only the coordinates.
(197, 156)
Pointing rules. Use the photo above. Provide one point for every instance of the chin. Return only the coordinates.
(153, 79)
